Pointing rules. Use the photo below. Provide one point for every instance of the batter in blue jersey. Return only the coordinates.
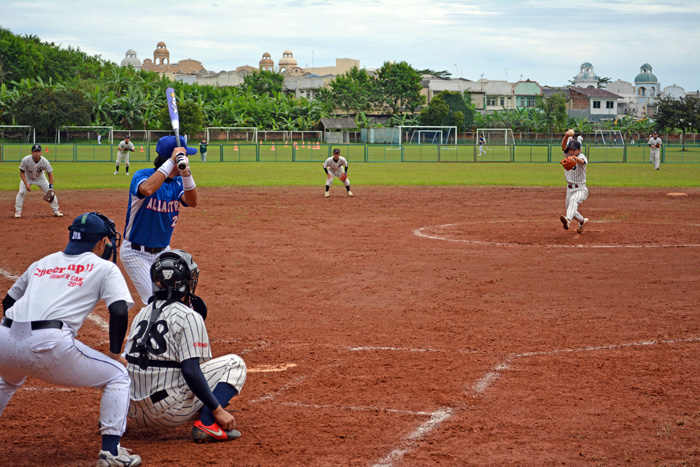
(155, 198)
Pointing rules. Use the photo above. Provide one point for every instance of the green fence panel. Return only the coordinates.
(534, 153)
(94, 153)
(311, 152)
(239, 152)
(383, 153)
(605, 153)
(276, 153)
(351, 152)
(464, 153)
(420, 153)
(495, 153)
(678, 153)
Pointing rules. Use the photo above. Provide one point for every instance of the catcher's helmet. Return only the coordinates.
(89, 228)
(174, 272)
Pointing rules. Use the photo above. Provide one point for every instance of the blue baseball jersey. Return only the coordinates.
(150, 220)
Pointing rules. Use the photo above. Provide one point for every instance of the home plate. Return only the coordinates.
(676, 194)
(271, 368)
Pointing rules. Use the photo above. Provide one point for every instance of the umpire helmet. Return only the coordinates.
(174, 272)
(88, 229)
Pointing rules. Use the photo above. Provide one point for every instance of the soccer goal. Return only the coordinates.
(238, 134)
(138, 137)
(435, 135)
(273, 135)
(85, 134)
(25, 134)
(495, 138)
(609, 138)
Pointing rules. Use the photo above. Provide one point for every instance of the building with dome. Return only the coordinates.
(288, 64)
(646, 84)
(131, 60)
(586, 78)
(161, 63)
(266, 63)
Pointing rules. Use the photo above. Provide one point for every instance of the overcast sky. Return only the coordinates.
(542, 40)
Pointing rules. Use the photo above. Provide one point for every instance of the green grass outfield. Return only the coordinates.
(72, 176)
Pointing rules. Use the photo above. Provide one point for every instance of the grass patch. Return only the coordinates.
(75, 176)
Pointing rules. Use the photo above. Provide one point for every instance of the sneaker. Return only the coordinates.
(564, 221)
(58, 214)
(116, 172)
(18, 214)
(581, 225)
(212, 433)
(124, 459)
(350, 194)
(327, 194)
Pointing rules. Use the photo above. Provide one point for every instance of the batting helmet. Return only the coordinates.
(88, 229)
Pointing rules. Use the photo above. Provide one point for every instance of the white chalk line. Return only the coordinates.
(404, 349)
(101, 323)
(485, 382)
(293, 383)
(355, 408)
(420, 232)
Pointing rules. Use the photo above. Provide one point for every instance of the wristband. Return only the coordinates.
(188, 183)
(167, 167)
(51, 186)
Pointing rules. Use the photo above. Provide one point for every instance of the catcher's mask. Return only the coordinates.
(88, 229)
(174, 275)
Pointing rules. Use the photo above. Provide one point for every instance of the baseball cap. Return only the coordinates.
(36, 147)
(85, 231)
(656, 132)
(167, 144)
(336, 151)
(573, 144)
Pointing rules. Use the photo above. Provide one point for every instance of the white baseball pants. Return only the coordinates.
(122, 156)
(137, 265)
(42, 183)
(54, 356)
(181, 405)
(655, 157)
(574, 197)
(331, 175)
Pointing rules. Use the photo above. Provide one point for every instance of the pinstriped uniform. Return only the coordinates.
(34, 171)
(654, 152)
(576, 191)
(335, 169)
(178, 334)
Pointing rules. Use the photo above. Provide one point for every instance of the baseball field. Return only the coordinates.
(441, 316)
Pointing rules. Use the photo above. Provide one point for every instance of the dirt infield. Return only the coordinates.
(413, 326)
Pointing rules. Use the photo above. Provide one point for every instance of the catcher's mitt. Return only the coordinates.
(343, 177)
(568, 162)
(49, 196)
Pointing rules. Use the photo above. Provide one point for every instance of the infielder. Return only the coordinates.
(123, 150)
(155, 197)
(44, 310)
(336, 166)
(31, 170)
(655, 149)
(169, 358)
(576, 190)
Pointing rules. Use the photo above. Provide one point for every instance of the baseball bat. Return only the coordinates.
(175, 122)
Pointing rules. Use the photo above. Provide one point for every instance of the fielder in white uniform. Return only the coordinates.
(44, 310)
(482, 145)
(336, 166)
(31, 170)
(576, 190)
(173, 375)
(655, 149)
(123, 150)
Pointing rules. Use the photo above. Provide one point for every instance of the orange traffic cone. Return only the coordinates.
(285, 144)
(47, 150)
(141, 148)
(272, 148)
(235, 147)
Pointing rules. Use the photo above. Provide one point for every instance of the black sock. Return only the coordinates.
(223, 392)
(327, 188)
(109, 443)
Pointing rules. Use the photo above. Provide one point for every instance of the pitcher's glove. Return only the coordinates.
(343, 177)
(568, 162)
(49, 196)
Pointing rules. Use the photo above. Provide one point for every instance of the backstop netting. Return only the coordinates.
(432, 135)
(19, 134)
(234, 134)
(85, 134)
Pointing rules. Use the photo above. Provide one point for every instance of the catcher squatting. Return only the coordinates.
(32, 170)
(574, 164)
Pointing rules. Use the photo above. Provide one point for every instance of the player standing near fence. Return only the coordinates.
(173, 375)
(575, 174)
(123, 150)
(155, 197)
(482, 145)
(655, 149)
(31, 171)
(336, 166)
